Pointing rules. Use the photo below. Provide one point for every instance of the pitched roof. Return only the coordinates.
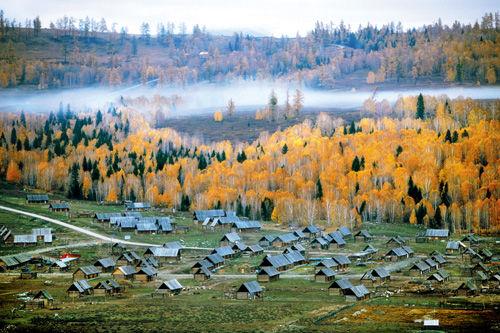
(24, 239)
(363, 233)
(311, 229)
(231, 237)
(294, 257)
(106, 216)
(247, 225)
(215, 258)
(165, 225)
(342, 284)
(326, 272)
(336, 237)
(105, 262)
(133, 214)
(162, 252)
(204, 262)
(320, 240)
(328, 263)
(203, 270)
(171, 285)
(254, 248)
(277, 261)
(439, 259)
(398, 251)
(344, 231)
(299, 234)
(268, 270)
(341, 259)
(430, 262)
(43, 294)
(59, 205)
(268, 238)
(437, 233)
(41, 231)
(421, 266)
(103, 285)
(251, 287)
(137, 205)
(146, 226)
(287, 238)
(359, 291)
(37, 197)
(147, 270)
(223, 251)
(88, 270)
(201, 215)
(127, 270)
(444, 274)
(370, 249)
(239, 246)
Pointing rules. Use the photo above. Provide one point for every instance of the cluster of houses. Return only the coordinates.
(135, 222)
(325, 241)
(351, 292)
(54, 206)
(218, 218)
(38, 235)
(80, 288)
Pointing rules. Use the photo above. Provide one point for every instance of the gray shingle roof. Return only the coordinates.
(311, 229)
(276, 261)
(326, 272)
(137, 205)
(25, 239)
(59, 205)
(328, 263)
(127, 270)
(342, 284)
(162, 252)
(173, 245)
(344, 231)
(37, 197)
(215, 258)
(268, 270)
(231, 237)
(250, 287)
(341, 259)
(247, 225)
(287, 238)
(359, 291)
(397, 251)
(146, 227)
(105, 262)
(421, 266)
(437, 233)
(171, 285)
(294, 257)
(201, 215)
(223, 251)
(89, 270)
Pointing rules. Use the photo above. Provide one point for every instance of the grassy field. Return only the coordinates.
(295, 303)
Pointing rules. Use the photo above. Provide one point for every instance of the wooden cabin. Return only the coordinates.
(268, 274)
(86, 272)
(169, 288)
(202, 273)
(324, 275)
(250, 290)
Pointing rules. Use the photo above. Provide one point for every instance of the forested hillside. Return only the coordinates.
(80, 52)
(429, 161)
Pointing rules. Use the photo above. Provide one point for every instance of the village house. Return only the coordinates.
(42, 299)
(249, 290)
(433, 235)
(320, 243)
(336, 238)
(284, 240)
(79, 288)
(326, 263)
(105, 264)
(324, 275)
(246, 226)
(342, 261)
(268, 274)
(440, 276)
(439, 258)
(229, 239)
(202, 273)
(357, 293)
(396, 254)
(128, 258)
(59, 207)
(467, 288)
(453, 247)
(146, 228)
(216, 259)
(225, 252)
(37, 198)
(103, 289)
(370, 249)
(363, 234)
(341, 286)
(280, 262)
(295, 257)
(431, 263)
(300, 235)
(145, 274)
(311, 231)
(148, 262)
(266, 241)
(397, 240)
(345, 232)
(169, 288)
(471, 239)
(86, 272)
(419, 267)
(118, 248)
(202, 263)
(239, 247)
(253, 250)
(137, 206)
(378, 273)
(163, 255)
(105, 217)
(25, 240)
(472, 255)
(202, 215)
(124, 273)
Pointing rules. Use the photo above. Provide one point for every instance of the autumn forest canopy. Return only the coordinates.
(426, 160)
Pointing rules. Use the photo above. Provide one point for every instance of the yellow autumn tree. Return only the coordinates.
(13, 173)
(218, 117)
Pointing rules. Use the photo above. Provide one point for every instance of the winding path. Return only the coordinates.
(104, 238)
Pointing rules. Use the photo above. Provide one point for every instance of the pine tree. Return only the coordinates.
(75, 188)
(284, 150)
(319, 190)
(202, 162)
(355, 164)
(420, 107)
